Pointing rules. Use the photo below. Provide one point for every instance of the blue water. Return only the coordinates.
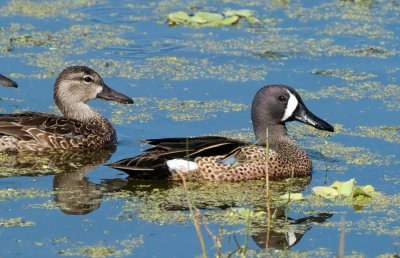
(289, 55)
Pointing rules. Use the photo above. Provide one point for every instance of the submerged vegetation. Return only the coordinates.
(343, 57)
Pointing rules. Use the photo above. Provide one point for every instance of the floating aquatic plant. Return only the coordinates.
(208, 19)
(344, 189)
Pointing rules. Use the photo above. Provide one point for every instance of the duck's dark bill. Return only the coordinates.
(7, 82)
(109, 94)
(304, 115)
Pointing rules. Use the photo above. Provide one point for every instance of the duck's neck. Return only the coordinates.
(81, 112)
(273, 132)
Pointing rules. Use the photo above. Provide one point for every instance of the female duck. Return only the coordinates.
(217, 158)
(79, 127)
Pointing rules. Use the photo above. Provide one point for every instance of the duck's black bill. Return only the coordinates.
(7, 82)
(304, 115)
(109, 94)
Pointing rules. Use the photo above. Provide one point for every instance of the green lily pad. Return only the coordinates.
(253, 20)
(344, 188)
(242, 13)
(358, 191)
(208, 19)
(292, 196)
(360, 196)
(325, 192)
(227, 21)
(178, 18)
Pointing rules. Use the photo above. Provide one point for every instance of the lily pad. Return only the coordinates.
(344, 188)
(292, 196)
(226, 21)
(364, 191)
(208, 19)
(325, 192)
(242, 13)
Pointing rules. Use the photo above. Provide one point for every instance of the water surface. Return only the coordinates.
(342, 56)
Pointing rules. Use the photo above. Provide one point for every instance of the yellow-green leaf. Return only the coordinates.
(253, 20)
(359, 191)
(292, 196)
(368, 188)
(227, 21)
(205, 17)
(242, 13)
(344, 188)
(325, 192)
(178, 18)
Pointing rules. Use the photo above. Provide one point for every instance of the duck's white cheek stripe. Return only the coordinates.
(291, 106)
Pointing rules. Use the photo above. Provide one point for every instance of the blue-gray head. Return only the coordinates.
(277, 104)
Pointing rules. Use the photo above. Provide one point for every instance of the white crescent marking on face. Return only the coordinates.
(290, 107)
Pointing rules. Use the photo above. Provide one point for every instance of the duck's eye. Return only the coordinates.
(87, 78)
(282, 98)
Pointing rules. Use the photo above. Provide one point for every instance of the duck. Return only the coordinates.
(217, 158)
(79, 126)
(7, 82)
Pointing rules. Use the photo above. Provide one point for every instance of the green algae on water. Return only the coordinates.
(16, 222)
(120, 248)
(46, 8)
(175, 109)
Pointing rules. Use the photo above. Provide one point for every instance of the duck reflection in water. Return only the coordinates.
(170, 196)
(73, 192)
(291, 233)
(76, 195)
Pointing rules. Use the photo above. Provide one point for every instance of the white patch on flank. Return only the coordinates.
(181, 165)
(291, 238)
(291, 106)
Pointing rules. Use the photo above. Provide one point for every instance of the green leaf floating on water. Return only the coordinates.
(292, 196)
(245, 213)
(344, 189)
(243, 13)
(325, 192)
(248, 14)
(208, 19)
(363, 191)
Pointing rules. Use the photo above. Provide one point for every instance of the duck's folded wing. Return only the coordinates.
(154, 159)
(193, 147)
(28, 125)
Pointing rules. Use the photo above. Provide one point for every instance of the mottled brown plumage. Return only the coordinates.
(79, 127)
(216, 158)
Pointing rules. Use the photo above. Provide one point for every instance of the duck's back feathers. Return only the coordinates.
(195, 146)
(36, 131)
(152, 163)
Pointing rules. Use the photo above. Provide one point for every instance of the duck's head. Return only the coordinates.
(277, 104)
(78, 84)
(7, 82)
